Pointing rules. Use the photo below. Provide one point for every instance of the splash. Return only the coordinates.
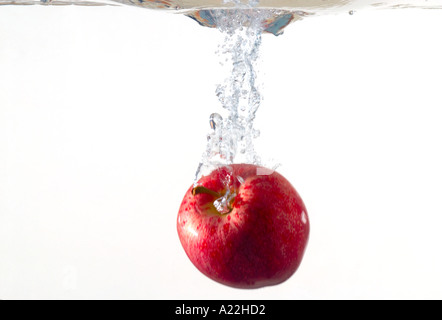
(231, 138)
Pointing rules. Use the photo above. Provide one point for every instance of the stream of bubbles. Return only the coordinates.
(231, 137)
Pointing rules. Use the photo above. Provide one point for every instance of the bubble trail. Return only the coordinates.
(231, 139)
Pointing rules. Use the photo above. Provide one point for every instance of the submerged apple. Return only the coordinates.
(259, 240)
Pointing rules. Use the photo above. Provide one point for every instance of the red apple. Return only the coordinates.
(259, 242)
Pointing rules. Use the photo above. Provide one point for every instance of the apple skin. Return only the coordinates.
(260, 242)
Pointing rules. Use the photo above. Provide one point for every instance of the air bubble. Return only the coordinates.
(224, 204)
(215, 121)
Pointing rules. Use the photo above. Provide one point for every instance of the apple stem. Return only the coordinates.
(216, 195)
(201, 189)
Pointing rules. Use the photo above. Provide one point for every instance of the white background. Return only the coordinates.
(103, 116)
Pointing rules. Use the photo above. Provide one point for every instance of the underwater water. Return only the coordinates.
(232, 132)
(361, 139)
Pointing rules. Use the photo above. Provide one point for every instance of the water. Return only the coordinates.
(231, 136)
(282, 13)
(232, 133)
